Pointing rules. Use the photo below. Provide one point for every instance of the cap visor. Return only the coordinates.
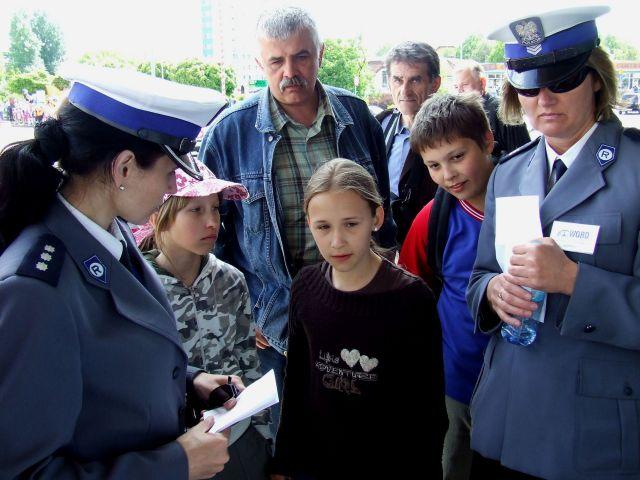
(186, 162)
(547, 75)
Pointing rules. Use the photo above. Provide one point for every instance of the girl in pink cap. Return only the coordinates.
(210, 300)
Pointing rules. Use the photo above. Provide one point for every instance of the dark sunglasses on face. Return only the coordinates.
(562, 86)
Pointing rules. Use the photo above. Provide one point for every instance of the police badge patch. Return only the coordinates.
(529, 33)
(97, 269)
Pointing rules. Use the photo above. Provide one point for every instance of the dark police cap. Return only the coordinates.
(545, 49)
(167, 113)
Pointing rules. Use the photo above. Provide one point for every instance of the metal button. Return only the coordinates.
(589, 328)
(270, 138)
(176, 372)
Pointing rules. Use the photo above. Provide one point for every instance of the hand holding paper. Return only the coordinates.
(517, 222)
(256, 397)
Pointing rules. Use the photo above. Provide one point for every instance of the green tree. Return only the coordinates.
(51, 41)
(31, 81)
(496, 55)
(345, 64)
(60, 83)
(475, 47)
(163, 69)
(619, 49)
(108, 58)
(24, 44)
(198, 73)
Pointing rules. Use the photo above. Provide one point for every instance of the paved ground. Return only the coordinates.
(10, 134)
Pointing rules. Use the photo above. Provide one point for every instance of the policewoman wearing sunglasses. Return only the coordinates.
(93, 376)
(567, 405)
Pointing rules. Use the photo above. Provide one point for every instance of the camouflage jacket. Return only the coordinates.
(214, 318)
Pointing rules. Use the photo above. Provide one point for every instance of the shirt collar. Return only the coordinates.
(280, 118)
(570, 155)
(108, 239)
(400, 128)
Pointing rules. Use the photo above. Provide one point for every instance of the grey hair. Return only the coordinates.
(283, 22)
(471, 65)
(415, 52)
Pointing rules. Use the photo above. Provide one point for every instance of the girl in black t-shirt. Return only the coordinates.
(359, 329)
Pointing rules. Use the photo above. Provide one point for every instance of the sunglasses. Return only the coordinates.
(562, 86)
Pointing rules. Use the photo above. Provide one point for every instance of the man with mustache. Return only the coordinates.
(413, 70)
(272, 143)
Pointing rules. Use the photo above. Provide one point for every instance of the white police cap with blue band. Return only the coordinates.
(547, 48)
(167, 113)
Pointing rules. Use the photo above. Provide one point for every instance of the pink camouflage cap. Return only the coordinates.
(188, 186)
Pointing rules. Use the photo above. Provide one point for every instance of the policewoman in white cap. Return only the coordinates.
(93, 374)
(568, 405)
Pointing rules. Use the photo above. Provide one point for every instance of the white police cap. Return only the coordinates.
(547, 48)
(167, 113)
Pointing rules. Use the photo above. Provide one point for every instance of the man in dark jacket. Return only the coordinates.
(413, 69)
(469, 76)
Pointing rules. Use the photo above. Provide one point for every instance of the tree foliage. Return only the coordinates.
(345, 64)
(476, 47)
(107, 58)
(51, 41)
(619, 49)
(24, 44)
(35, 43)
(60, 83)
(193, 72)
(30, 81)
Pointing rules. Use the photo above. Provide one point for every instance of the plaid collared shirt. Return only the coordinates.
(298, 154)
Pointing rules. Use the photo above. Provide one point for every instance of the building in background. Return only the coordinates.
(228, 38)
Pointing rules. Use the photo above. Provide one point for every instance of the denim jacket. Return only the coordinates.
(239, 147)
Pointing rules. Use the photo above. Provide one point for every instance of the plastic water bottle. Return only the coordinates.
(526, 334)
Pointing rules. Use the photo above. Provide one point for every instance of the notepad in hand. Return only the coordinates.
(256, 397)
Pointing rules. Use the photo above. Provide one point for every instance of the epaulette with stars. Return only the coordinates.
(523, 148)
(44, 261)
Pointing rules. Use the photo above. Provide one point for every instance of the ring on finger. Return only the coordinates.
(500, 295)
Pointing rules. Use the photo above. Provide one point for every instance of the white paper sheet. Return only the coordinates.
(517, 222)
(256, 397)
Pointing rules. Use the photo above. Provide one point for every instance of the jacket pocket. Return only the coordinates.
(486, 366)
(606, 421)
(255, 212)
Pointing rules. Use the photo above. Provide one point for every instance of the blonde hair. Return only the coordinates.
(164, 218)
(511, 113)
(343, 175)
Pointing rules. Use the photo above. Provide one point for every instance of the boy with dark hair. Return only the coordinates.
(455, 142)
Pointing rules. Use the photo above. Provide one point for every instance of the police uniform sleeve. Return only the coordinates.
(485, 267)
(41, 392)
